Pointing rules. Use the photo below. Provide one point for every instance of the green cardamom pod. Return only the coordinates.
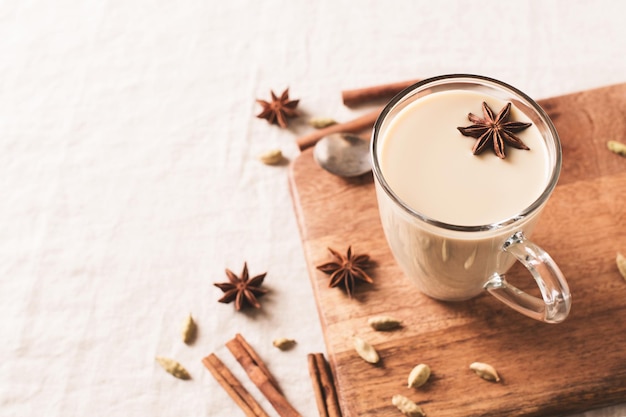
(321, 122)
(190, 329)
(617, 147)
(621, 264)
(173, 367)
(272, 157)
(407, 407)
(365, 350)
(485, 371)
(384, 323)
(419, 375)
(283, 343)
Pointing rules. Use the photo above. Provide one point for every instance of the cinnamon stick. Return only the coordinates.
(260, 375)
(251, 353)
(233, 387)
(378, 92)
(353, 126)
(323, 386)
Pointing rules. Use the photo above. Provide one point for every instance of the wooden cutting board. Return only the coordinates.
(546, 370)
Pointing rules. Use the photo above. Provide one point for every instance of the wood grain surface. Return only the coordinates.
(546, 370)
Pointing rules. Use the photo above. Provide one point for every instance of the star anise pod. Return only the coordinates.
(494, 129)
(279, 109)
(243, 290)
(345, 271)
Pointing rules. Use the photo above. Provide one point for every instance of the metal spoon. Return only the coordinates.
(343, 154)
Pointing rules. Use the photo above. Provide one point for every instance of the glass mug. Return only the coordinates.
(454, 262)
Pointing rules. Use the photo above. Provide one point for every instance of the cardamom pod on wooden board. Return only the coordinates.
(384, 323)
(419, 375)
(365, 350)
(621, 264)
(485, 371)
(407, 407)
(617, 147)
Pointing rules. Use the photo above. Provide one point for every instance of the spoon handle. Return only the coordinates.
(353, 126)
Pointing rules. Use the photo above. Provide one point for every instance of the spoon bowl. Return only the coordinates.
(343, 154)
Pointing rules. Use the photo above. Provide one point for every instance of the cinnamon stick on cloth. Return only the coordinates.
(233, 387)
(378, 92)
(323, 386)
(260, 375)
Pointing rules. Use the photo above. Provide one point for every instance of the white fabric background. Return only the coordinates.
(129, 179)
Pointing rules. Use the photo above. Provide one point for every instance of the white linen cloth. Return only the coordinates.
(129, 179)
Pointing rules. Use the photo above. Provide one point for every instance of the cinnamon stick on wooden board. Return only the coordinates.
(353, 126)
(323, 386)
(233, 387)
(260, 375)
(365, 95)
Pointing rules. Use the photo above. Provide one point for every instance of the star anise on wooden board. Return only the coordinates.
(279, 109)
(346, 271)
(494, 129)
(242, 290)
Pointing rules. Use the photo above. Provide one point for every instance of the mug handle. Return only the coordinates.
(556, 301)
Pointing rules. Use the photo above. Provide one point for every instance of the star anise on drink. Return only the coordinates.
(346, 271)
(279, 109)
(495, 129)
(242, 290)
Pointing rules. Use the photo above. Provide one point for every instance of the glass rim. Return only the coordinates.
(477, 80)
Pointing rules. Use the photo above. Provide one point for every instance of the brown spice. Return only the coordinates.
(378, 92)
(279, 109)
(345, 271)
(494, 129)
(323, 386)
(233, 387)
(242, 290)
(260, 375)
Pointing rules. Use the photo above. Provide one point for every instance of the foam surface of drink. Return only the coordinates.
(429, 164)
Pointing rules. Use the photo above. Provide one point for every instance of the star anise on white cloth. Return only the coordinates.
(279, 109)
(242, 290)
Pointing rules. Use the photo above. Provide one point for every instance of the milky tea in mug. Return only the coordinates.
(455, 221)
